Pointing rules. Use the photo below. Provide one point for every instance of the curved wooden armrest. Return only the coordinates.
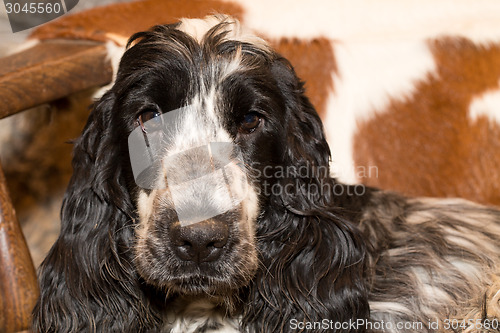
(51, 70)
(43, 73)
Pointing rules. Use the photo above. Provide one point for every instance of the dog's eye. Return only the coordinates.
(250, 122)
(150, 120)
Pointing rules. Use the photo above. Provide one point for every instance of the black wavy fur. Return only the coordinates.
(312, 255)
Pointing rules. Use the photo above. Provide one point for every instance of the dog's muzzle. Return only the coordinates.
(202, 185)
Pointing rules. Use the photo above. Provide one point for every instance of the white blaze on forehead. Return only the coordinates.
(202, 167)
(212, 191)
(200, 124)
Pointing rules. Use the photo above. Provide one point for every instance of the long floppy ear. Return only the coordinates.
(306, 139)
(313, 254)
(87, 281)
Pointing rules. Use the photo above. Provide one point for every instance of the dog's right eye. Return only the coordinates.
(250, 122)
(150, 120)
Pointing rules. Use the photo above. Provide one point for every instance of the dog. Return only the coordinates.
(202, 201)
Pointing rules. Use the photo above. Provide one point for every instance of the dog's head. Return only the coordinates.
(209, 112)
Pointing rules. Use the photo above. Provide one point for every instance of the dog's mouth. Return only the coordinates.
(222, 278)
(188, 278)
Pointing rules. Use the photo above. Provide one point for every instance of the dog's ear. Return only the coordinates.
(313, 255)
(306, 139)
(87, 279)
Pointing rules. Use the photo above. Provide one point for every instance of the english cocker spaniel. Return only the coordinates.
(201, 201)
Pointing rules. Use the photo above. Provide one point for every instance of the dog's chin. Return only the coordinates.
(200, 284)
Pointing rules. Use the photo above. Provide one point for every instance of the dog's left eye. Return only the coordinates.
(150, 120)
(250, 122)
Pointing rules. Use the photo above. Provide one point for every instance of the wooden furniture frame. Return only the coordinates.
(43, 73)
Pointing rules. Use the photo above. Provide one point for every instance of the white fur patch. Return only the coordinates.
(196, 315)
(487, 105)
(145, 205)
(388, 307)
(199, 124)
(115, 53)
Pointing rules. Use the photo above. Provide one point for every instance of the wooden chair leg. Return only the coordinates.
(18, 284)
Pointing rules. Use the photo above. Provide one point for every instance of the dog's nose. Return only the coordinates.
(199, 242)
